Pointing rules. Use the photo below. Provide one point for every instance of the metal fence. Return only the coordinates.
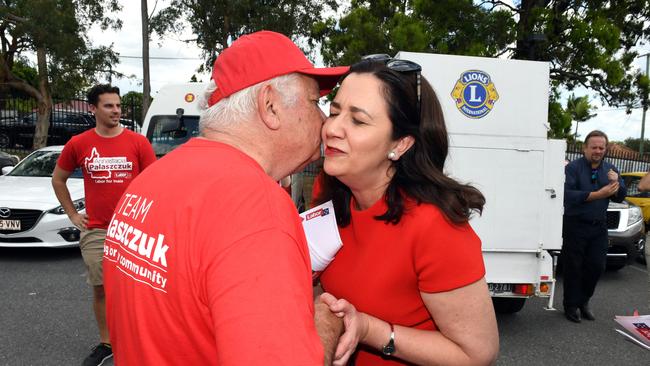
(625, 161)
(67, 118)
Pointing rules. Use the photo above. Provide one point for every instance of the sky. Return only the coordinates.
(180, 60)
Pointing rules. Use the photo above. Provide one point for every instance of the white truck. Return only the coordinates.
(496, 114)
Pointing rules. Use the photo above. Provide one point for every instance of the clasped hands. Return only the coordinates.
(611, 188)
(355, 323)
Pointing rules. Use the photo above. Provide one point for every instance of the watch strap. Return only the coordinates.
(389, 348)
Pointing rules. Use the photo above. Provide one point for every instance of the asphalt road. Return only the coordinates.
(46, 319)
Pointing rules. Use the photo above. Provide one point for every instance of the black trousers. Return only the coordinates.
(584, 256)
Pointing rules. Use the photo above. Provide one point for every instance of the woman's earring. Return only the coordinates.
(392, 155)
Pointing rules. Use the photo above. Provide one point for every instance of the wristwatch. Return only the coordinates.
(389, 348)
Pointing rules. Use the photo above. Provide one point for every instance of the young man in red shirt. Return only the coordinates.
(206, 261)
(110, 156)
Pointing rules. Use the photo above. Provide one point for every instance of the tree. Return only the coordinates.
(559, 120)
(587, 43)
(132, 106)
(635, 143)
(55, 30)
(390, 26)
(580, 110)
(216, 23)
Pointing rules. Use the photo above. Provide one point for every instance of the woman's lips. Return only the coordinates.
(329, 151)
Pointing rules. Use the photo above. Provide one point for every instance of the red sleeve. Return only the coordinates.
(260, 297)
(68, 159)
(448, 256)
(147, 155)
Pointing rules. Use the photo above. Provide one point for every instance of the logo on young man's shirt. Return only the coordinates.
(104, 168)
(474, 94)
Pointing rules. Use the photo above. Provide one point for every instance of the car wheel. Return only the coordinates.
(507, 305)
(5, 140)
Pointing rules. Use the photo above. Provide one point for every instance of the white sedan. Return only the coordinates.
(30, 214)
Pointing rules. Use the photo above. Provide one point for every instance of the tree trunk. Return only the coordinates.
(45, 102)
(146, 81)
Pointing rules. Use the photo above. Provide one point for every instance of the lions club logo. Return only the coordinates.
(474, 94)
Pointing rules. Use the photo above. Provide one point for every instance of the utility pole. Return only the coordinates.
(146, 81)
(645, 107)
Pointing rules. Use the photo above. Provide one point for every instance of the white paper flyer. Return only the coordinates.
(636, 329)
(319, 224)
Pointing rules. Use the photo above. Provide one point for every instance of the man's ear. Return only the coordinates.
(92, 108)
(268, 100)
(403, 145)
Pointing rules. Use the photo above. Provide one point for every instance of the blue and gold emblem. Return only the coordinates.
(474, 94)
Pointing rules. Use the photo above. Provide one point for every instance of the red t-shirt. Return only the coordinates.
(206, 263)
(109, 164)
(382, 268)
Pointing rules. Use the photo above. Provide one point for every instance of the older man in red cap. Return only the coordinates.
(205, 261)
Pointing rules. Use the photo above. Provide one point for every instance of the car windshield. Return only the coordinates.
(168, 132)
(40, 164)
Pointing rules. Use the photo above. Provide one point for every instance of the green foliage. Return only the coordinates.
(24, 70)
(56, 30)
(560, 118)
(217, 23)
(389, 26)
(132, 106)
(635, 143)
(59, 28)
(587, 43)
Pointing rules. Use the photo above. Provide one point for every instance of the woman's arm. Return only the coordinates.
(467, 330)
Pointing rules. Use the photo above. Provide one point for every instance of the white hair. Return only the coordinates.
(240, 106)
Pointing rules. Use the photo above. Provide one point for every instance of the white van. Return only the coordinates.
(173, 117)
(496, 114)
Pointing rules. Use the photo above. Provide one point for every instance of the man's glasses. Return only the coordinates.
(399, 66)
(594, 176)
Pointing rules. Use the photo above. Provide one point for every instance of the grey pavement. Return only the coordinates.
(46, 317)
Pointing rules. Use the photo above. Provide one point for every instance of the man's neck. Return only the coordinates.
(245, 143)
(108, 131)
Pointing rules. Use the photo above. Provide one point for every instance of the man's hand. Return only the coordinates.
(356, 327)
(79, 220)
(610, 189)
(612, 176)
(329, 328)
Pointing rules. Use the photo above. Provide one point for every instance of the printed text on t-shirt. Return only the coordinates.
(137, 253)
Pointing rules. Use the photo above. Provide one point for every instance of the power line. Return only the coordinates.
(162, 58)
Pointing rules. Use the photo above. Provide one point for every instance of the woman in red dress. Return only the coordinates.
(409, 279)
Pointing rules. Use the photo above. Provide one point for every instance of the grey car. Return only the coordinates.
(626, 233)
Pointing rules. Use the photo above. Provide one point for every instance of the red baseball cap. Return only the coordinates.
(261, 56)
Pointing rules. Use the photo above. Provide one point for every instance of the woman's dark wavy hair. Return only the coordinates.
(419, 172)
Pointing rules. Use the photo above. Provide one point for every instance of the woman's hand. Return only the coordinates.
(356, 327)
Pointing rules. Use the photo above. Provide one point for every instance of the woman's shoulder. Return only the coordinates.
(430, 217)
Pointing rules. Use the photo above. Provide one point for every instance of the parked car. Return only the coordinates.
(641, 199)
(30, 214)
(63, 125)
(626, 233)
(7, 159)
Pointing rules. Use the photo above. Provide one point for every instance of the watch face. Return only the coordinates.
(388, 349)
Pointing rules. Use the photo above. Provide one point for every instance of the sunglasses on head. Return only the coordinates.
(401, 66)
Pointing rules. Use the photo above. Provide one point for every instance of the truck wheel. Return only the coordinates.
(507, 305)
